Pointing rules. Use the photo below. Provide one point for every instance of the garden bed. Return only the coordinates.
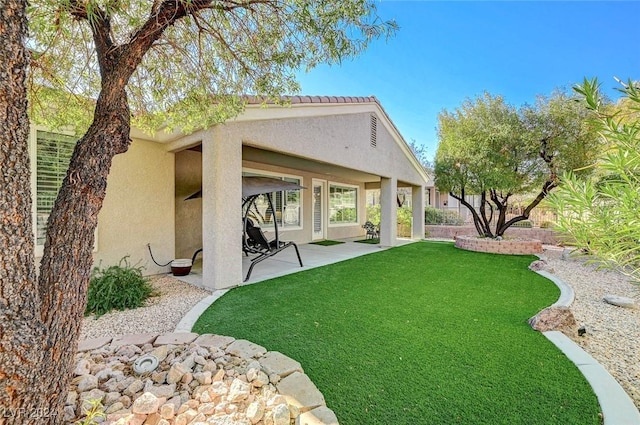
(504, 246)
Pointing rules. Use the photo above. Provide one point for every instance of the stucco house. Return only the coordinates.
(336, 147)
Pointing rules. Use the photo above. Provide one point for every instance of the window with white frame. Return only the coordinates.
(343, 204)
(287, 204)
(52, 155)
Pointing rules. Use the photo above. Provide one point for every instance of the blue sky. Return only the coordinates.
(447, 51)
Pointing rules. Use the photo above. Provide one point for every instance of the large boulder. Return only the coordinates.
(554, 319)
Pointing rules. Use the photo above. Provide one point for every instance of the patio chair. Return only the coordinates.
(257, 243)
(373, 231)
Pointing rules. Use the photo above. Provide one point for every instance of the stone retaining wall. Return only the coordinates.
(546, 236)
(518, 247)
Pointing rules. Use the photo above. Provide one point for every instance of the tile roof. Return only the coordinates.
(253, 100)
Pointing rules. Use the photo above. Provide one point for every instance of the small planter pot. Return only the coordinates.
(181, 267)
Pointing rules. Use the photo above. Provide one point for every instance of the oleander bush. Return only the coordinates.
(437, 216)
(119, 287)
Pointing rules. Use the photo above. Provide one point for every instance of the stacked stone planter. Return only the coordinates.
(504, 246)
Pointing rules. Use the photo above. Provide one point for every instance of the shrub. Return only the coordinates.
(547, 225)
(118, 287)
(437, 216)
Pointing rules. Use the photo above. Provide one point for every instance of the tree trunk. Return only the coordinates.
(481, 227)
(548, 186)
(70, 236)
(22, 334)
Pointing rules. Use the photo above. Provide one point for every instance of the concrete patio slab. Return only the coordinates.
(286, 262)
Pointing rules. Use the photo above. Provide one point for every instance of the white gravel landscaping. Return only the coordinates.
(613, 333)
(161, 314)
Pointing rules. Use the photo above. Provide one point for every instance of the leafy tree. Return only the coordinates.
(494, 151)
(602, 214)
(420, 151)
(101, 64)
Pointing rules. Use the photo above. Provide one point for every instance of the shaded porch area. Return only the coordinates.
(286, 261)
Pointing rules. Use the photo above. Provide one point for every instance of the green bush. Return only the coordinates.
(437, 216)
(118, 287)
(527, 224)
(373, 213)
(547, 225)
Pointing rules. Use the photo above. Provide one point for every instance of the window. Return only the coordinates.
(53, 153)
(287, 204)
(343, 204)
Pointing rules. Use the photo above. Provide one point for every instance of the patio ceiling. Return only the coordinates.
(250, 153)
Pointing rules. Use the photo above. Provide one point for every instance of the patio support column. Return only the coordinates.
(417, 202)
(221, 201)
(388, 211)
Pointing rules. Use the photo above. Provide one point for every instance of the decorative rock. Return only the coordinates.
(146, 404)
(301, 392)
(93, 344)
(160, 352)
(83, 367)
(136, 386)
(318, 416)
(246, 349)
(538, 265)
(275, 362)
(619, 301)
(115, 407)
(68, 413)
(238, 391)
(260, 380)
(204, 385)
(167, 411)
(166, 391)
(72, 398)
(176, 338)
(136, 339)
(216, 341)
(218, 376)
(87, 382)
(554, 319)
(111, 398)
(255, 412)
(281, 415)
(203, 378)
(94, 394)
(176, 373)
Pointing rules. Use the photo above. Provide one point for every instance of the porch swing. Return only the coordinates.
(254, 240)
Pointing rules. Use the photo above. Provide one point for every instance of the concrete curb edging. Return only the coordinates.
(566, 292)
(617, 407)
(189, 319)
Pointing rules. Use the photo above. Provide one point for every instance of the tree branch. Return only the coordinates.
(100, 24)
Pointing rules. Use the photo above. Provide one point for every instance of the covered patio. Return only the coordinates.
(286, 261)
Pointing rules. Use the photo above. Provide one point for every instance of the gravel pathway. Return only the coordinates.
(161, 314)
(613, 333)
(612, 338)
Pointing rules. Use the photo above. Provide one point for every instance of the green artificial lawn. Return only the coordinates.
(371, 241)
(327, 243)
(418, 334)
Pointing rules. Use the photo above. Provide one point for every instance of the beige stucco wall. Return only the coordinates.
(138, 208)
(342, 140)
(188, 225)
